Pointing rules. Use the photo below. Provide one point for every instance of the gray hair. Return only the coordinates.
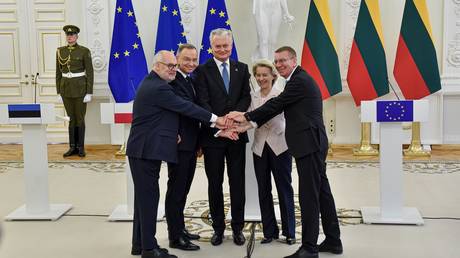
(158, 57)
(220, 32)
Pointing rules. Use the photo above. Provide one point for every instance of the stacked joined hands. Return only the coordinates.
(232, 124)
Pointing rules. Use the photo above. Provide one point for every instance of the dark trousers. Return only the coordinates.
(234, 155)
(146, 195)
(315, 197)
(76, 110)
(180, 177)
(281, 167)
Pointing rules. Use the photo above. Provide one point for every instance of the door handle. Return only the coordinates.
(24, 82)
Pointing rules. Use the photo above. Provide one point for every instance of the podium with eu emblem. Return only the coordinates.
(390, 115)
(121, 113)
(33, 119)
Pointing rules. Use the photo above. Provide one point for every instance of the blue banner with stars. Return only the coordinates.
(127, 66)
(395, 111)
(216, 17)
(170, 32)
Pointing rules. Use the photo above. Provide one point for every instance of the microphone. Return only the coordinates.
(35, 82)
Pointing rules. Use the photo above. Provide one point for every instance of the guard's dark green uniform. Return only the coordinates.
(74, 79)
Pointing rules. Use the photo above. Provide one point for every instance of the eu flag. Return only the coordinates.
(216, 17)
(170, 32)
(127, 66)
(395, 111)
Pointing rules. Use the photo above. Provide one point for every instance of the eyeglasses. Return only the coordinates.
(281, 60)
(170, 66)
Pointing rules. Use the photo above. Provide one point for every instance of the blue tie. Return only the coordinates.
(225, 76)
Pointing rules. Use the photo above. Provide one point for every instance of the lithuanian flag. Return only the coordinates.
(416, 67)
(319, 54)
(367, 71)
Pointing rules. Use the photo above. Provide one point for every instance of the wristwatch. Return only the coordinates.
(246, 115)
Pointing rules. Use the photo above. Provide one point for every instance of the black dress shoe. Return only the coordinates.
(238, 238)
(81, 152)
(137, 250)
(290, 240)
(157, 253)
(303, 253)
(183, 243)
(190, 235)
(267, 240)
(330, 248)
(72, 150)
(216, 239)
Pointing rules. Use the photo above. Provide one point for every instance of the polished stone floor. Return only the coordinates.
(96, 187)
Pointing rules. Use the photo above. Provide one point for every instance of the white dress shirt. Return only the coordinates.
(219, 65)
(272, 132)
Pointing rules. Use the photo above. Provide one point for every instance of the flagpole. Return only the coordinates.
(122, 150)
(365, 148)
(415, 148)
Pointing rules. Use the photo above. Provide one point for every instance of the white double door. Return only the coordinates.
(30, 32)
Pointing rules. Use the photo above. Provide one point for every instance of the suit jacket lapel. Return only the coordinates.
(217, 76)
(187, 87)
(233, 76)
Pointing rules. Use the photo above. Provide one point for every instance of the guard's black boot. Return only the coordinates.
(81, 141)
(73, 148)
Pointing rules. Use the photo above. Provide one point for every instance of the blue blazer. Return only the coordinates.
(155, 124)
(189, 128)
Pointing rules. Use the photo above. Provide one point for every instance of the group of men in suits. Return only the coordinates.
(166, 113)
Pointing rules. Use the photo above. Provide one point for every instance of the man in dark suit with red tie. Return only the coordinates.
(307, 142)
(153, 138)
(223, 86)
(180, 174)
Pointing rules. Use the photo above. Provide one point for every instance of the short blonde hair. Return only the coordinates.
(265, 63)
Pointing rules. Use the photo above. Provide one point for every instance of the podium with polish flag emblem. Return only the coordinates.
(33, 119)
(390, 115)
(122, 113)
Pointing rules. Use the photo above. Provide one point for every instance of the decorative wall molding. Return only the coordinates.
(98, 17)
(192, 13)
(451, 53)
(350, 11)
(187, 13)
(9, 15)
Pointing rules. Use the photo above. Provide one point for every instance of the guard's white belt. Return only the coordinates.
(73, 75)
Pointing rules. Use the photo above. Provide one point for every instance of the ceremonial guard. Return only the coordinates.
(74, 86)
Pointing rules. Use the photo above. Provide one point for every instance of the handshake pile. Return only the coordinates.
(232, 124)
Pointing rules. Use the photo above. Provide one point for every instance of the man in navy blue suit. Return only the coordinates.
(153, 138)
(180, 174)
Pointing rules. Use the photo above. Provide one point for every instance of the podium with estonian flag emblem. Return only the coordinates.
(390, 115)
(33, 119)
(122, 113)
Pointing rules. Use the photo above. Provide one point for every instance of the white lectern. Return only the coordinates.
(33, 119)
(121, 113)
(390, 115)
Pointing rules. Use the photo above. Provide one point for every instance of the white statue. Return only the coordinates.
(268, 15)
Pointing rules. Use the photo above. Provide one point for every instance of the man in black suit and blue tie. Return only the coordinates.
(223, 86)
(180, 174)
(307, 142)
(153, 138)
